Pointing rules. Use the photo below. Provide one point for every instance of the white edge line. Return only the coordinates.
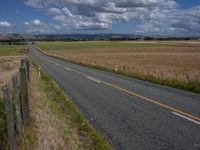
(177, 114)
(67, 68)
(93, 79)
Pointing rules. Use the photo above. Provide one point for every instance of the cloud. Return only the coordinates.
(5, 25)
(37, 26)
(157, 16)
(175, 21)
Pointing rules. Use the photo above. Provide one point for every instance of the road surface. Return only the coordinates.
(131, 114)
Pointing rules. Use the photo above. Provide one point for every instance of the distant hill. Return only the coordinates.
(83, 37)
(16, 37)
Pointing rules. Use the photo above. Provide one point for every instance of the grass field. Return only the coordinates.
(10, 50)
(71, 46)
(176, 64)
(9, 60)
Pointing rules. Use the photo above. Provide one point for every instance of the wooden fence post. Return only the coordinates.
(24, 95)
(28, 66)
(9, 118)
(17, 110)
(23, 62)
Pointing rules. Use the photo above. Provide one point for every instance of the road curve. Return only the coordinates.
(131, 114)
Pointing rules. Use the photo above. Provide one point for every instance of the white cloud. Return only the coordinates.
(5, 25)
(37, 26)
(153, 15)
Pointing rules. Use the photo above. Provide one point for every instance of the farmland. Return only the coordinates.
(170, 63)
(9, 61)
(10, 50)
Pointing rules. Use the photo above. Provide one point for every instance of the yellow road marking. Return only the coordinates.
(152, 101)
(138, 95)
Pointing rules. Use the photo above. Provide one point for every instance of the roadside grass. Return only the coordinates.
(68, 46)
(75, 127)
(29, 138)
(10, 50)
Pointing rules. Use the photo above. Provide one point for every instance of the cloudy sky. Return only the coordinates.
(147, 17)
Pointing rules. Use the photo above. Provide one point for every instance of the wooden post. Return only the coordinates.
(24, 95)
(9, 118)
(15, 98)
(39, 72)
(116, 68)
(25, 63)
(28, 66)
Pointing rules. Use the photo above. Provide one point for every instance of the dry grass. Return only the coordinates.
(57, 122)
(180, 63)
(47, 128)
(8, 66)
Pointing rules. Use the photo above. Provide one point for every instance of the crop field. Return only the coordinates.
(175, 61)
(72, 46)
(8, 66)
(10, 50)
(9, 60)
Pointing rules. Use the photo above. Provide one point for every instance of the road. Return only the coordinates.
(131, 114)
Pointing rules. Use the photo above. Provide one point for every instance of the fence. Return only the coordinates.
(16, 104)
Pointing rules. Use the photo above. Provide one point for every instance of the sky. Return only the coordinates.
(142, 17)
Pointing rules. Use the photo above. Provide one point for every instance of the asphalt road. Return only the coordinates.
(131, 114)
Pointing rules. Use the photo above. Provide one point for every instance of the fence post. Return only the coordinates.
(28, 66)
(9, 118)
(15, 98)
(25, 63)
(24, 94)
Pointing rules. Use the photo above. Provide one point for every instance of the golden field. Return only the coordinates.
(166, 60)
(173, 63)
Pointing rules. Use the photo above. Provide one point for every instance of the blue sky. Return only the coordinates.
(148, 17)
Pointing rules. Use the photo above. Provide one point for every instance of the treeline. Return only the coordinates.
(22, 42)
(13, 43)
(170, 38)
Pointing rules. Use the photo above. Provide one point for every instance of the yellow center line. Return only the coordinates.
(152, 101)
(138, 95)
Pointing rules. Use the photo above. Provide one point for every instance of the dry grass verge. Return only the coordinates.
(58, 124)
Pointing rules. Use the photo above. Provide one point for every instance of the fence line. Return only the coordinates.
(16, 104)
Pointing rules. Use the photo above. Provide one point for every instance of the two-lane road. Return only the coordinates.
(131, 114)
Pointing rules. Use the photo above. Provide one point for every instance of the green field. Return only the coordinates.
(98, 44)
(10, 50)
